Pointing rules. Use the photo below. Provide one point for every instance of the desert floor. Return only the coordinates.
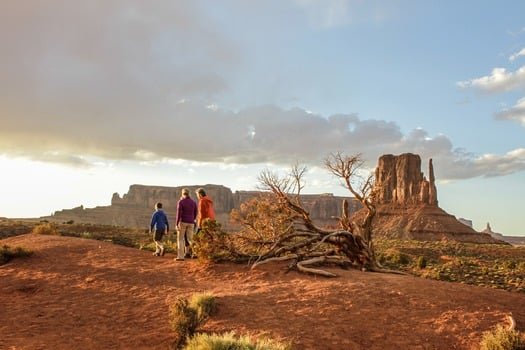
(75, 293)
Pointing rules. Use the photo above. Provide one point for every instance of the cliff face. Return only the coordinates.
(134, 208)
(407, 204)
(401, 181)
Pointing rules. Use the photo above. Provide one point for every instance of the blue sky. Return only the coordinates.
(99, 95)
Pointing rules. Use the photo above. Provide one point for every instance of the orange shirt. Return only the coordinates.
(205, 210)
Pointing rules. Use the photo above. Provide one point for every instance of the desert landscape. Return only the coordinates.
(91, 294)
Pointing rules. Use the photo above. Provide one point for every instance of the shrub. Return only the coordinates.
(229, 341)
(502, 338)
(183, 320)
(509, 264)
(205, 305)
(398, 258)
(212, 244)
(45, 228)
(186, 316)
(7, 253)
(421, 262)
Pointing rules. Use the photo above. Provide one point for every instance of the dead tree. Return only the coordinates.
(302, 242)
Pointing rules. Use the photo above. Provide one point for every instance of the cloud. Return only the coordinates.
(134, 80)
(515, 113)
(516, 55)
(499, 81)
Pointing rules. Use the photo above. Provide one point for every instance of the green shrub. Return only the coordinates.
(183, 320)
(421, 262)
(398, 258)
(186, 316)
(502, 338)
(509, 264)
(7, 253)
(212, 244)
(205, 305)
(229, 341)
(45, 228)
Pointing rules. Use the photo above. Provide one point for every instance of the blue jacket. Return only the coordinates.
(159, 221)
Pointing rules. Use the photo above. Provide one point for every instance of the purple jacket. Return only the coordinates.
(186, 211)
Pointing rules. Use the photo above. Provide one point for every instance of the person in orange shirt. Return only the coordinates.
(205, 208)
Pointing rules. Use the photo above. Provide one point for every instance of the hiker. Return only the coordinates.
(205, 208)
(159, 226)
(186, 215)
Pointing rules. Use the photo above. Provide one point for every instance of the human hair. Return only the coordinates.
(158, 205)
(185, 192)
(201, 192)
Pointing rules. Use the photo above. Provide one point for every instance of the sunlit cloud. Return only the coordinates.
(516, 55)
(499, 81)
(515, 113)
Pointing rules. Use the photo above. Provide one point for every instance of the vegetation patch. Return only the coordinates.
(7, 253)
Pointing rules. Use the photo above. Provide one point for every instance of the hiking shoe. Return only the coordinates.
(179, 259)
(156, 254)
(187, 255)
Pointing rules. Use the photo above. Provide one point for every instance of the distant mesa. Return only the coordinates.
(134, 208)
(407, 205)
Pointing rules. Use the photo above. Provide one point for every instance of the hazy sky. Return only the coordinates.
(98, 95)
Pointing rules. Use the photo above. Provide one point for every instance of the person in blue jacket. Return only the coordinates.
(159, 226)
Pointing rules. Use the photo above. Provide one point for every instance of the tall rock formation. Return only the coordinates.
(400, 181)
(407, 204)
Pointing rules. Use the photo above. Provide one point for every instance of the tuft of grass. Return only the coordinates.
(229, 341)
(186, 316)
(7, 253)
(204, 303)
(502, 338)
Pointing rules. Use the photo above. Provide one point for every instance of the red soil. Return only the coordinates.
(84, 294)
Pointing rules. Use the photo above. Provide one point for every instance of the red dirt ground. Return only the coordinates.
(77, 293)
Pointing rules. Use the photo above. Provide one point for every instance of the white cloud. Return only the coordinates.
(515, 113)
(499, 81)
(516, 55)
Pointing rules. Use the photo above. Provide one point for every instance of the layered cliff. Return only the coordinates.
(134, 208)
(407, 204)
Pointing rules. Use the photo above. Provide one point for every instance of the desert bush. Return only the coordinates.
(7, 253)
(46, 228)
(204, 303)
(229, 341)
(509, 264)
(397, 258)
(212, 244)
(421, 262)
(183, 321)
(501, 338)
(186, 316)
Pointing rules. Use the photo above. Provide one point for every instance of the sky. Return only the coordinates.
(98, 95)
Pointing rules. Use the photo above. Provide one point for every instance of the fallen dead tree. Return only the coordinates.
(277, 227)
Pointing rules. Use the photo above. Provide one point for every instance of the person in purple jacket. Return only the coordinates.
(186, 215)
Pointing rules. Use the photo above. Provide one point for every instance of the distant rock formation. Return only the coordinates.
(134, 208)
(401, 181)
(514, 240)
(408, 205)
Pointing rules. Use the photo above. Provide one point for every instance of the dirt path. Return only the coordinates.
(83, 294)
